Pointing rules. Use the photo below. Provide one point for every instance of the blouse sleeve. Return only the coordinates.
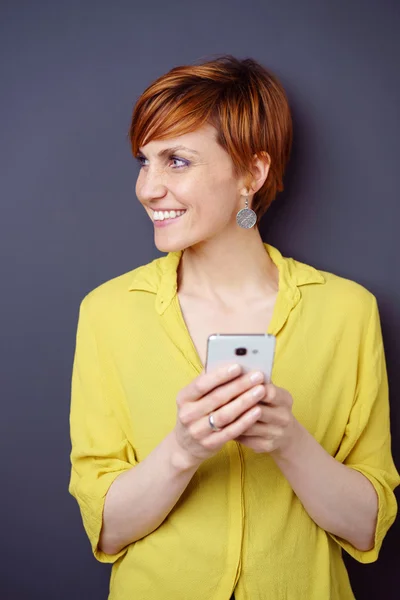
(100, 450)
(366, 445)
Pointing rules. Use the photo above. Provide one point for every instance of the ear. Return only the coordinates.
(260, 170)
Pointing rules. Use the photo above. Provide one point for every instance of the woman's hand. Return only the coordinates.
(231, 397)
(276, 429)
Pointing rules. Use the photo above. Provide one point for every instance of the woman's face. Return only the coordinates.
(190, 173)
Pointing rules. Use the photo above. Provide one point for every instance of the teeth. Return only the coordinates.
(160, 215)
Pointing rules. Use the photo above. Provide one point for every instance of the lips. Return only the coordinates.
(169, 221)
(159, 215)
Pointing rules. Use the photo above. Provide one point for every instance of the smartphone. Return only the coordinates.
(253, 351)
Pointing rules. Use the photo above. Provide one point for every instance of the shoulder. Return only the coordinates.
(322, 290)
(117, 291)
(330, 296)
(342, 311)
(340, 300)
(343, 289)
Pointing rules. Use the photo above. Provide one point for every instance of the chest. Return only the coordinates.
(203, 319)
(147, 359)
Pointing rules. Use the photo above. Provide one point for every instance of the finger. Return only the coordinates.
(231, 431)
(258, 429)
(205, 382)
(230, 411)
(276, 396)
(267, 432)
(271, 395)
(258, 444)
(221, 396)
(275, 415)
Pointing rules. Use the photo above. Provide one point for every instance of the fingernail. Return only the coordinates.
(255, 412)
(257, 377)
(233, 369)
(258, 392)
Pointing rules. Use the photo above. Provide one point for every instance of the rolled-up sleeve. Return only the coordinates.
(366, 446)
(100, 449)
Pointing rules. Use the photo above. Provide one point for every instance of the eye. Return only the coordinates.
(140, 160)
(184, 163)
(182, 160)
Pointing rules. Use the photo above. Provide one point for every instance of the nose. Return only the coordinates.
(151, 184)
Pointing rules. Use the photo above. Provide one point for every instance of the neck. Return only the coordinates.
(229, 271)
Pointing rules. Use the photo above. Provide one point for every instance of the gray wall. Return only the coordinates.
(70, 73)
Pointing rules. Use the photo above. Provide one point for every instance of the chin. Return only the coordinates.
(174, 243)
(170, 245)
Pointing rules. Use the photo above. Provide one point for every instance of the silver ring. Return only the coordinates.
(212, 424)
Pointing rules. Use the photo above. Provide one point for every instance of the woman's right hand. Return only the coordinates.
(231, 396)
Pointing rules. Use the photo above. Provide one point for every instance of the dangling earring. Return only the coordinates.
(246, 217)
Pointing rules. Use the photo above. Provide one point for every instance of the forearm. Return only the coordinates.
(140, 499)
(338, 498)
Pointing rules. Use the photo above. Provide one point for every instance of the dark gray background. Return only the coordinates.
(70, 73)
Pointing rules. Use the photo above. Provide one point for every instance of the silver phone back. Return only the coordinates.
(260, 351)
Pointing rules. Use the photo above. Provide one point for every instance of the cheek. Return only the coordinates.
(138, 187)
(209, 194)
(220, 200)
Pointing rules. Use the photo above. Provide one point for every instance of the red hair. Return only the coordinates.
(244, 102)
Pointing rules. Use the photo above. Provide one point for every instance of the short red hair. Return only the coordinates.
(244, 102)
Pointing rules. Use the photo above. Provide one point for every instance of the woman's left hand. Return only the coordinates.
(277, 428)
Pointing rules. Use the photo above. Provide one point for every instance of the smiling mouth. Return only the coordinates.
(161, 216)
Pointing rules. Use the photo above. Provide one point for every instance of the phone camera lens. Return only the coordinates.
(240, 351)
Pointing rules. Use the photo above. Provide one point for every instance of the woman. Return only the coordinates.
(190, 486)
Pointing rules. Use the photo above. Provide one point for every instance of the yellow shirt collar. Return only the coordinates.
(160, 277)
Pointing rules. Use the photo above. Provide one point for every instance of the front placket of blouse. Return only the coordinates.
(168, 308)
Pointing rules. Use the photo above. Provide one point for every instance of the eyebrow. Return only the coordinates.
(172, 150)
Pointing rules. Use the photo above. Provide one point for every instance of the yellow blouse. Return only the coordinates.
(238, 525)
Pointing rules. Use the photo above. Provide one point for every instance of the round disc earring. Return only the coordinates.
(246, 217)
